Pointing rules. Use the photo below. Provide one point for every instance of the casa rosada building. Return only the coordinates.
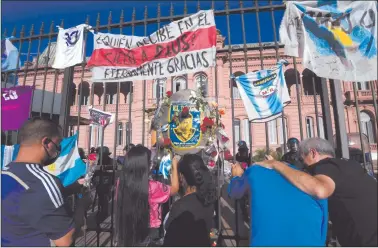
(104, 96)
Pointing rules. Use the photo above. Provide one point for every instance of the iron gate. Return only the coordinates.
(64, 95)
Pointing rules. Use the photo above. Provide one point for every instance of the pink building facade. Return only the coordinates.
(104, 96)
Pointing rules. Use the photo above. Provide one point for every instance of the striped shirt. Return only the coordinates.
(33, 208)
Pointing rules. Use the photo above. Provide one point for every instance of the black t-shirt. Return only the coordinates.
(353, 205)
(189, 223)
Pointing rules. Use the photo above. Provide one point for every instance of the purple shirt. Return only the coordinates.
(15, 106)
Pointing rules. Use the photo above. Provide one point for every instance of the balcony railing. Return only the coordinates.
(362, 95)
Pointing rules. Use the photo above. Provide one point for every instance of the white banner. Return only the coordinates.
(70, 47)
(336, 39)
(184, 46)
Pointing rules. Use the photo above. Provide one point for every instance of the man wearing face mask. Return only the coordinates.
(33, 208)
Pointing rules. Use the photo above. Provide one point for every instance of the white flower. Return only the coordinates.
(193, 94)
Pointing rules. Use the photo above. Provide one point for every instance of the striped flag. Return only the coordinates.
(68, 167)
(183, 46)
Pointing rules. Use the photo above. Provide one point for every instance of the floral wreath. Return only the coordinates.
(211, 127)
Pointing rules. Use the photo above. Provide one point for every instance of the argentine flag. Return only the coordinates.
(264, 93)
(9, 57)
(68, 167)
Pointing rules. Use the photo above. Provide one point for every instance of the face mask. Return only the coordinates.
(50, 159)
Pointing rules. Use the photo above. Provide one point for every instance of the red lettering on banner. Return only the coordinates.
(188, 42)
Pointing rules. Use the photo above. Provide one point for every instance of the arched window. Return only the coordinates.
(159, 87)
(246, 129)
(363, 86)
(179, 83)
(275, 131)
(290, 78)
(111, 93)
(120, 134)
(201, 81)
(321, 127)
(237, 130)
(367, 127)
(310, 126)
(235, 90)
(83, 93)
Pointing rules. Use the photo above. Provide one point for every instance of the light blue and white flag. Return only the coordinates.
(264, 93)
(9, 57)
(68, 167)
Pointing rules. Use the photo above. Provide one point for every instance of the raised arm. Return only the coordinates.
(174, 177)
(239, 184)
(319, 186)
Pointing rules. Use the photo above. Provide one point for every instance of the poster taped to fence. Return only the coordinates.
(100, 118)
(336, 39)
(184, 46)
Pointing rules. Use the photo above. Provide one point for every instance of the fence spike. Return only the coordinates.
(110, 18)
(145, 12)
(241, 3)
(14, 31)
(22, 33)
(5, 33)
(158, 11)
(133, 15)
(226, 4)
(171, 10)
(122, 17)
(51, 27)
(31, 31)
(62, 23)
(42, 29)
(87, 20)
(98, 22)
(213, 4)
(185, 8)
(198, 5)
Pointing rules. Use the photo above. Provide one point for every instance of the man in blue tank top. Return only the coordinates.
(281, 214)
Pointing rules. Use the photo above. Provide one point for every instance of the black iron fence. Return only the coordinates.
(337, 108)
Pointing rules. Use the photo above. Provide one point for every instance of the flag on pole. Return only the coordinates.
(9, 57)
(68, 167)
(264, 93)
(70, 47)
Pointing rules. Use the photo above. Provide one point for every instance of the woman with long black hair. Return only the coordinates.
(190, 219)
(139, 199)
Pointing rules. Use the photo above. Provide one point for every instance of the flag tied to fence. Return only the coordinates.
(68, 167)
(70, 47)
(9, 57)
(184, 46)
(100, 118)
(15, 106)
(264, 93)
(336, 39)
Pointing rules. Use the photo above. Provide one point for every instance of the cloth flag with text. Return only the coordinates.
(184, 46)
(15, 106)
(9, 57)
(264, 93)
(70, 47)
(336, 39)
(68, 167)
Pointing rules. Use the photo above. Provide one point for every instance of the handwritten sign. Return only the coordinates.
(100, 118)
(336, 39)
(184, 46)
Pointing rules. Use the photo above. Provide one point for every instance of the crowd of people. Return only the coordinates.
(290, 202)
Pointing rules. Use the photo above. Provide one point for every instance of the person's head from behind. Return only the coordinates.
(39, 141)
(243, 149)
(93, 150)
(313, 150)
(195, 177)
(132, 201)
(127, 148)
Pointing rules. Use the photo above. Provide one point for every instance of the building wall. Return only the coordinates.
(222, 72)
